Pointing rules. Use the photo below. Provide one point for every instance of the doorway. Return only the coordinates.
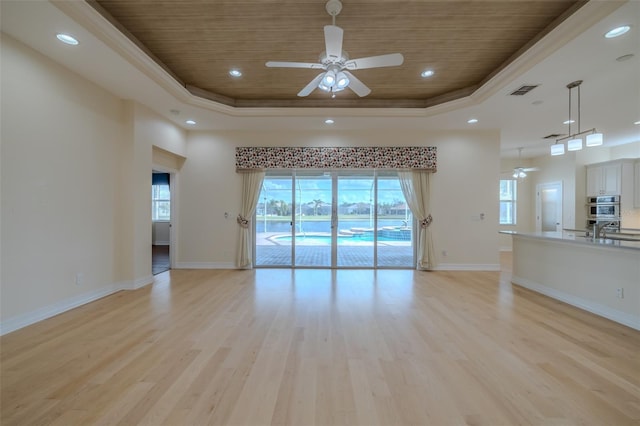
(160, 222)
(333, 219)
(549, 207)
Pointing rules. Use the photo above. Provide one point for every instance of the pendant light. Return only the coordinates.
(574, 142)
(595, 139)
(557, 149)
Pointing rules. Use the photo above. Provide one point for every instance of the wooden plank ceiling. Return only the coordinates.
(464, 42)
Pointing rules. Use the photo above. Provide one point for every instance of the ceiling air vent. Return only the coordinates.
(523, 90)
(553, 136)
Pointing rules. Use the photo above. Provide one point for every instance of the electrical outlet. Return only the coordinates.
(620, 293)
(444, 253)
(79, 278)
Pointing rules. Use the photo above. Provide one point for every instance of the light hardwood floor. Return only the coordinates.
(323, 347)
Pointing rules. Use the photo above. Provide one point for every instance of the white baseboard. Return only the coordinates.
(205, 265)
(23, 320)
(624, 318)
(136, 284)
(54, 309)
(467, 267)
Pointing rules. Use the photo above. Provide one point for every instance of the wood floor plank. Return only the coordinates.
(305, 347)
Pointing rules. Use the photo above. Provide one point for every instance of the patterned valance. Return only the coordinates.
(405, 157)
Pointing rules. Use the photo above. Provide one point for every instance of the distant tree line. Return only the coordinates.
(320, 208)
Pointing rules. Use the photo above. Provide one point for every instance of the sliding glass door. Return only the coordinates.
(314, 219)
(329, 219)
(356, 219)
(394, 242)
(273, 222)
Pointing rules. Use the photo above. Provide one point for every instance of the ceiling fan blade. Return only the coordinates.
(356, 85)
(275, 64)
(313, 84)
(390, 60)
(333, 42)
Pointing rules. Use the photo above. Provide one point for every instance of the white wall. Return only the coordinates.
(160, 233)
(76, 188)
(465, 185)
(62, 143)
(631, 150)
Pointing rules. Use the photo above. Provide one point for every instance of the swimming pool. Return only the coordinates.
(354, 237)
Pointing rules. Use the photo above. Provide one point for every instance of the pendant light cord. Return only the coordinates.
(578, 109)
(570, 88)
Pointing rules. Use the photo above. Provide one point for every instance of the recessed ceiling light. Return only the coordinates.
(329, 121)
(235, 73)
(67, 39)
(427, 73)
(569, 122)
(472, 121)
(637, 122)
(617, 32)
(190, 122)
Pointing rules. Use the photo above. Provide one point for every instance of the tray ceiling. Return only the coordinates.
(464, 42)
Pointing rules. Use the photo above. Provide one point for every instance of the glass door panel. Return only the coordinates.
(313, 219)
(394, 240)
(274, 222)
(356, 219)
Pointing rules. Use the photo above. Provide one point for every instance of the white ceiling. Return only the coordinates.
(576, 50)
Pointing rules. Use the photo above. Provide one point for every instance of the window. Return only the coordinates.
(160, 198)
(508, 201)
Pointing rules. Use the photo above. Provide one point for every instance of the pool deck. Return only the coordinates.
(351, 253)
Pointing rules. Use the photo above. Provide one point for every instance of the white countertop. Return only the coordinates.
(577, 238)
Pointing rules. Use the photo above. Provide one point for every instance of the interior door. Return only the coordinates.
(549, 207)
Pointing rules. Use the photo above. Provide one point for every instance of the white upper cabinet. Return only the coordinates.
(604, 179)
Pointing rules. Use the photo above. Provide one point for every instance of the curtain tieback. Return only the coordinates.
(424, 223)
(244, 222)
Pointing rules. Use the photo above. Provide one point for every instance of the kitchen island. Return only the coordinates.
(600, 275)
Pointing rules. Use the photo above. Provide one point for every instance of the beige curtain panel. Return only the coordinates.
(416, 189)
(251, 186)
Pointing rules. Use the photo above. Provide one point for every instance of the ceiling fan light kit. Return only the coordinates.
(336, 63)
(574, 142)
(521, 172)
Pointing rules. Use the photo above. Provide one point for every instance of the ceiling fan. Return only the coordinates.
(521, 172)
(336, 64)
